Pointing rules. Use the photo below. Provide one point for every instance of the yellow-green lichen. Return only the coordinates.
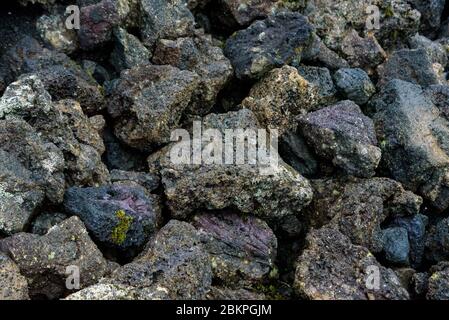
(124, 223)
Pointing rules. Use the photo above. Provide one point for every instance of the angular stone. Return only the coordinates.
(332, 268)
(234, 14)
(259, 189)
(355, 85)
(197, 54)
(436, 51)
(321, 78)
(342, 134)
(52, 30)
(150, 181)
(128, 51)
(162, 19)
(242, 250)
(359, 207)
(437, 241)
(147, 104)
(13, 286)
(365, 53)
(268, 44)
(413, 138)
(396, 245)
(32, 166)
(414, 66)
(334, 18)
(97, 22)
(121, 216)
(45, 221)
(438, 285)
(416, 230)
(175, 266)
(279, 97)
(44, 260)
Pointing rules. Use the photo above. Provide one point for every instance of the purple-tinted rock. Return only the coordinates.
(97, 22)
(242, 250)
(343, 134)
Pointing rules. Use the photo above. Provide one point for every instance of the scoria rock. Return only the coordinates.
(97, 22)
(322, 80)
(365, 53)
(39, 164)
(343, 134)
(409, 65)
(128, 51)
(332, 268)
(175, 266)
(62, 123)
(354, 84)
(438, 283)
(242, 250)
(359, 207)
(197, 54)
(333, 19)
(162, 19)
(53, 31)
(148, 102)
(13, 286)
(264, 189)
(122, 216)
(413, 138)
(267, 44)
(437, 241)
(44, 260)
(234, 14)
(279, 97)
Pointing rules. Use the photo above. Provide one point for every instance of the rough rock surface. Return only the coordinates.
(121, 215)
(147, 103)
(343, 134)
(411, 134)
(279, 97)
(360, 207)
(331, 267)
(267, 44)
(259, 189)
(62, 123)
(43, 260)
(240, 248)
(13, 286)
(175, 266)
(355, 85)
(199, 55)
